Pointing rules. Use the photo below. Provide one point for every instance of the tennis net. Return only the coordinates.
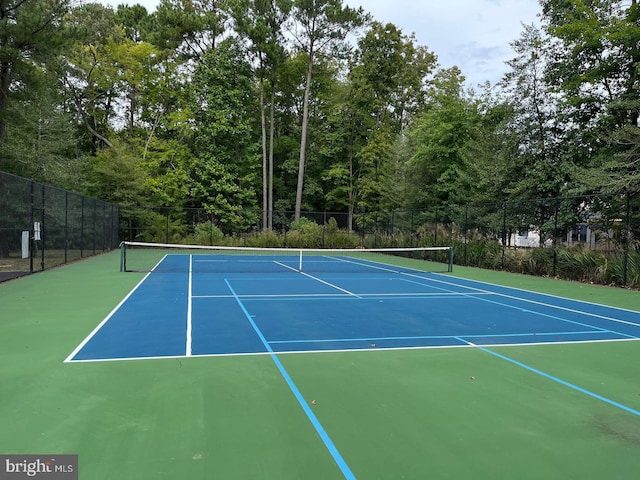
(161, 257)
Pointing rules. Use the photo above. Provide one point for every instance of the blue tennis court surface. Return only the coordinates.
(184, 310)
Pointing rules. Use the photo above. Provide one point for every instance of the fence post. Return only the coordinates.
(211, 228)
(82, 227)
(627, 234)
(66, 226)
(32, 240)
(466, 224)
(43, 233)
(104, 226)
(435, 228)
(414, 238)
(166, 229)
(324, 228)
(95, 213)
(392, 227)
(504, 232)
(555, 239)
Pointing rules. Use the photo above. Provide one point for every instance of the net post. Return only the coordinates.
(123, 256)
(300, 263)
(450, 267)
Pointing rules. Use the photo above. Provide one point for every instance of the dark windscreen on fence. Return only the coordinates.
(42, 226)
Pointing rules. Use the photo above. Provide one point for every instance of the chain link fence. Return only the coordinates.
(42, 227)
(593, 238)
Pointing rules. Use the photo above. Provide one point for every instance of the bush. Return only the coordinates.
(266, 239)
(206, 234)
(336, 238)
(304, 233)
(484, 254)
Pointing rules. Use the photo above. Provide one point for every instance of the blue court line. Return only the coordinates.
(429, 337)
(533, 294)
(346, 471)
(554, 317)
(556, 379)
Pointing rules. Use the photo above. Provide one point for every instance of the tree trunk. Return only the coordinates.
(303, 140)
(265, 181)
(271, 137)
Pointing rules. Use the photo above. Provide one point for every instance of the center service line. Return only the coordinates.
(346, 471)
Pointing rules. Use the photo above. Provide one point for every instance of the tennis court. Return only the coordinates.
(345, 365)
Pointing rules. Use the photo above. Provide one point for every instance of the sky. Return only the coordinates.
(475, 35)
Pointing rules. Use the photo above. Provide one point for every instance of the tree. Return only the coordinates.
(89, 74)
(598, 61)
(440, 137)
(136, 21)
(30, 35)
(224, 170)
(189, 28)
(386, 85)
(543, 166)
(260, 21)
(41, 139)
(320, 26)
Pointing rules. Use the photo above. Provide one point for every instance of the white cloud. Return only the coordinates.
(472, 34)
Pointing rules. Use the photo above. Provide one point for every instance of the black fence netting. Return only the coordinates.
(42, 226)
(593, 238)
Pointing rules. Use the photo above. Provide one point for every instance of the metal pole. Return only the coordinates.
(504, 232)
(466, 226)
(625, 263)
(95, 212)
(43, 235)
(66, 226)
(166, 234)
(32, 239)
(82, 227)
(555, 239)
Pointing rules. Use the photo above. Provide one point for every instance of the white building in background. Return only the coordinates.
(528, 238)
(588, 236)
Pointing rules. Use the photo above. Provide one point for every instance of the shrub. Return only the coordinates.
(206, 234)
(304, 233)
(265, 239)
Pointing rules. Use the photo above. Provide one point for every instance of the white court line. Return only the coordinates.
(319, 280)
(535, 302)
(368, 265)
(279, 295)
(350, 350)
(338, 296)
(111, 314)
(330, 284)
(189, 307)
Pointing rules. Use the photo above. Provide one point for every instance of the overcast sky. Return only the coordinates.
(472, 34)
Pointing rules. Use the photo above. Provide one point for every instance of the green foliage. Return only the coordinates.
(267, 239)
(336, 238)
(441, 136)
(115, 175)
(483, 254)
(305, 233)
(206, 234)
(31, 36)
(188, 27)
(224, 172)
